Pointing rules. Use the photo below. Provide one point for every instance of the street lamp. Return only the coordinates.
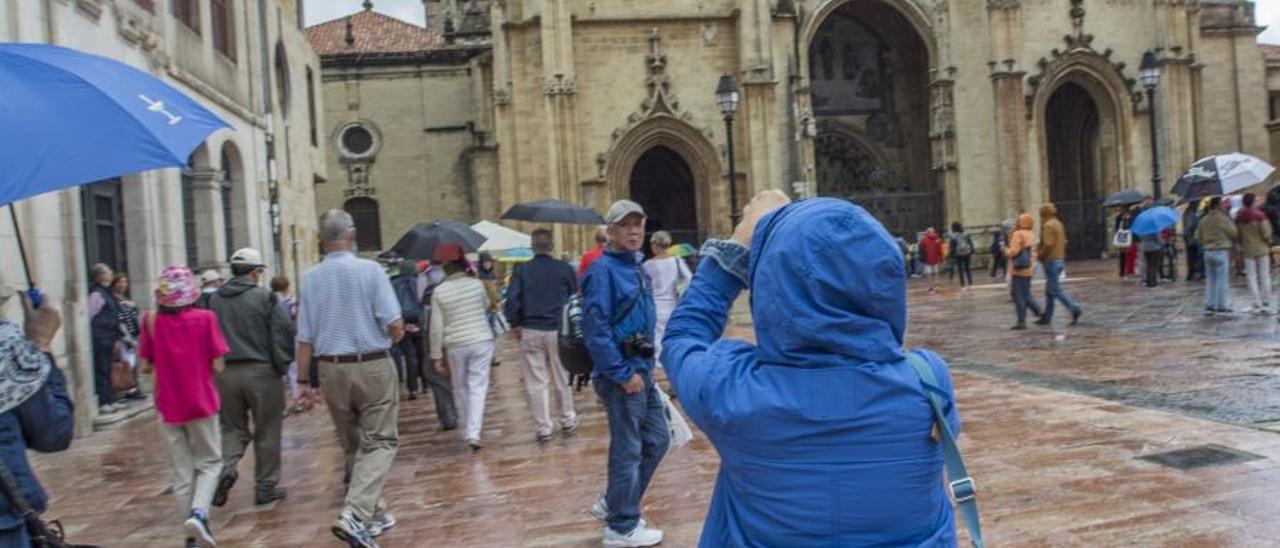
(727, 98)
(1149, 71)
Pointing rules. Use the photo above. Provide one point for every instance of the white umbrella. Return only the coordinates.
(1222, 174)
(500, 237)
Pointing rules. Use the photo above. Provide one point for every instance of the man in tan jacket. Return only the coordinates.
(1216, 235)
(1053, 254)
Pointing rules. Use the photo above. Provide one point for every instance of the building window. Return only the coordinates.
(188, 12)
(364, 211)
(224, 28)
(311, 107)
(227, 188)
(149, 5)
(284, 87)
(102, 206)
(189, 225)
(358, 141)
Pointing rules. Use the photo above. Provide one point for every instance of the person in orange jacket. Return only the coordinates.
(1022, 267)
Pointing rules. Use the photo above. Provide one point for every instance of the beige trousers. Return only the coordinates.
(364, 404)
(195, 457)
(542, 367)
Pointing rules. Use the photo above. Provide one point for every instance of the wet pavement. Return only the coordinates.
(1057, 422)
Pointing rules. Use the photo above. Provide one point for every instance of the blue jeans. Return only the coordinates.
(15, 538)
(1053, 289)
(638, 440)
(1217, 272)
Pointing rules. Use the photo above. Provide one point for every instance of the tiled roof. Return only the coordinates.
(374, 33)
(1270, 52)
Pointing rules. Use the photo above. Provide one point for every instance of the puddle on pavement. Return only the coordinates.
(1200, 456)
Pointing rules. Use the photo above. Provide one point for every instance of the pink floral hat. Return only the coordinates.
(178, 287)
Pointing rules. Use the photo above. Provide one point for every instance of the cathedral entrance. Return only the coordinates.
(663, 184)
(868, 68)
(1074, 149)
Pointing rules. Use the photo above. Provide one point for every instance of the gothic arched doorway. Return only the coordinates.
(663, 184)
(1074, 146)
(869, 78)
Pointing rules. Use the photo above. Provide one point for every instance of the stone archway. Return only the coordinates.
(665, 136)
(1082, 124)
(662, 182)
(868, 67)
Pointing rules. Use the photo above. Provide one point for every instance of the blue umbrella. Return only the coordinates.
(1154, 220)
(69, 118)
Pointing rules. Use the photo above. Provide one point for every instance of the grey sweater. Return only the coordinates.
(253, 323)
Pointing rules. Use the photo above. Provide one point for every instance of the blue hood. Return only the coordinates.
(837, 286)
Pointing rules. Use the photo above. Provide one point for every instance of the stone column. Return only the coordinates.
(942, 139)
(211, 235)
(1010, 100)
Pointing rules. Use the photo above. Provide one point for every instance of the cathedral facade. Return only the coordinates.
(922, 111)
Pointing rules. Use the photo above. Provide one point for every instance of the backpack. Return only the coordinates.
(573, 345)
(964, 246)
(410, 306)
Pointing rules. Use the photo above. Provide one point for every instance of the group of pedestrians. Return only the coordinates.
(1022, 253)
(1217, 235)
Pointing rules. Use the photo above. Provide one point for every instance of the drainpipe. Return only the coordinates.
(268, 142)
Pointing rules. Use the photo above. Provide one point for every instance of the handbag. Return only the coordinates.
(1123, 238)
(1023, 258)
(43, 535)
(122, 379)
(678, 430)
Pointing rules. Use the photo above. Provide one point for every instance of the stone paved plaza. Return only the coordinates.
(1056, 422)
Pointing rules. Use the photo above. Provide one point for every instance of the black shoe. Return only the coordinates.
(1018, 327)
(448, 427)
(1043, 321)
(225, 483)
(269, 496)
(1075, 316)
(413, 395)
(346, 478)
(191, 543)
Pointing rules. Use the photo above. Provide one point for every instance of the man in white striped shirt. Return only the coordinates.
(349, 317)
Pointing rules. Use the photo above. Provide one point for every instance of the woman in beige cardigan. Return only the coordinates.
(460, 328)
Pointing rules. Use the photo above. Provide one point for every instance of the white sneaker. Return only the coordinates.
(640, 536)
(381, 524)
(600, 511)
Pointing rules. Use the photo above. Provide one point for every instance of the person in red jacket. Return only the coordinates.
(602, 236)
(931, 255)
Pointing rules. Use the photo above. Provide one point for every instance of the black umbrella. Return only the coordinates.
(1222, 174)
(553, 211)
(1124, 198)
(421, 241)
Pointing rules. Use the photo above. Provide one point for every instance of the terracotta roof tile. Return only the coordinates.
(1270, 52)
(374, 33)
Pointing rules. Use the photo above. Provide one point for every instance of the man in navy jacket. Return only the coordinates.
(618, 325)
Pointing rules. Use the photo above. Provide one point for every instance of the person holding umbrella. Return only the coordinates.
(1255, 247)
(1217, 234)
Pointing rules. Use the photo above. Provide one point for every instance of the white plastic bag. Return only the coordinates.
(677, 428)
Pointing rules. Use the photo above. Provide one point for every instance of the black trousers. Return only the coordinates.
(966, 273)
(1154, 259)
(103, 358)
(418, 368)
(998, 263)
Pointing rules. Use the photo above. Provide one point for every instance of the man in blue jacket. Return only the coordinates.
(618, 326)
(823, 427)
(35, 409)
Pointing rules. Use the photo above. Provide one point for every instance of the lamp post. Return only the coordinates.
(1149, 71)
(727, 98)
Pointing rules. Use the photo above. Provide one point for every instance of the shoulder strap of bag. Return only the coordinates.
(626, 311)
(13, 491)
(960, 483)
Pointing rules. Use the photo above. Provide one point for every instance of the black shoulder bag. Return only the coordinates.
(42, 535)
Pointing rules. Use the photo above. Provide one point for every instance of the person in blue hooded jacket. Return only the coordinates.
(618, 321)
(823, 428)
(35, 409)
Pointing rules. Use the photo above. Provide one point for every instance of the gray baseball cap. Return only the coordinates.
(621, 209)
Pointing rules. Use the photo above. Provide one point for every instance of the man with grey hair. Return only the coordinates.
(618, 321)
(104, 330)
(349, 318)
(539, 290)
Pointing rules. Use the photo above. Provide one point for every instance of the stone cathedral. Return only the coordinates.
(922, 111)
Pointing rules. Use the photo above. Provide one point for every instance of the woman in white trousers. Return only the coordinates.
(460, 327)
